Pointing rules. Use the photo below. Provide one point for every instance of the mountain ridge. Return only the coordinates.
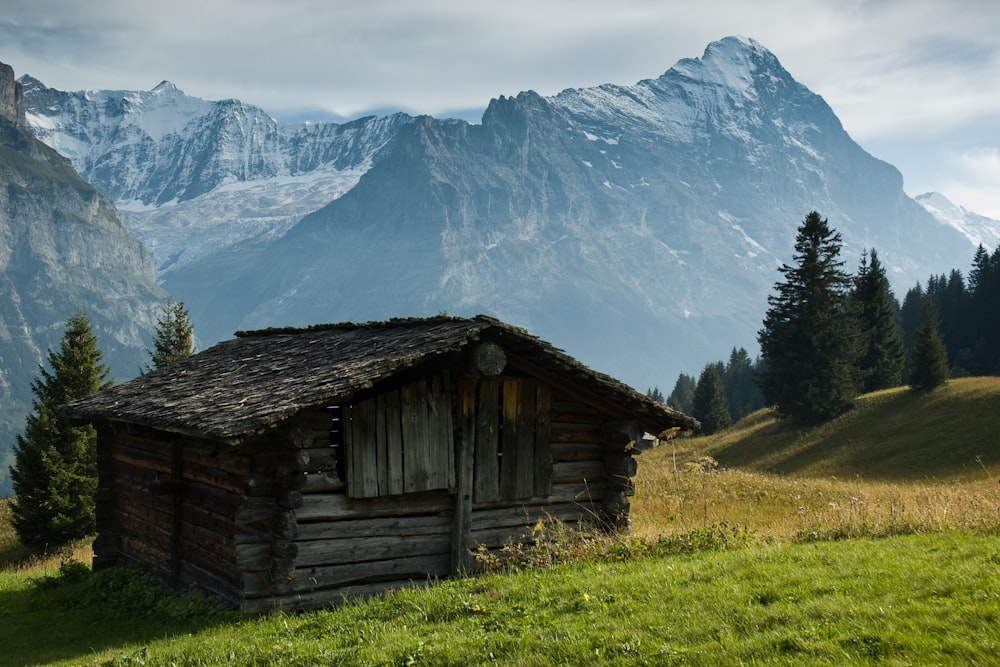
(63, 250)
(654, 215)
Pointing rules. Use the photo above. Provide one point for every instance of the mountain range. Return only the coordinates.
(639, 227)
(63, 250)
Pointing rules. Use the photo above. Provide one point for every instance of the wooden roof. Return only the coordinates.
(259, 379)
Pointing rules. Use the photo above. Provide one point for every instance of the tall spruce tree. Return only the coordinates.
(809, 342)
(710, 406)
(682, 396)
(174, 336)
(883, 355)
(55, 462)
(740, 383)
(984, 289)
(929, 360)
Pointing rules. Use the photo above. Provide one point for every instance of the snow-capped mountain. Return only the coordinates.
(640, 227)
(159, 152)
(63, 250)
(977, 228)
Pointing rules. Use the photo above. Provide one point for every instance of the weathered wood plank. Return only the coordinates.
(577, 433)
(502, 518)
(322, 482)
(441, 433)
(141, 461)
(253, 556)
(543, 435)
(431, 524)
(320, 507)
(509, 463)
(366, 422)
(621, 464)
(368, 549)
(213, 477)
(317, 459)
(201, 517)
(333, 576)
(576, 472)
(381, 444)
(416, 438)
(465, 460)
(220, 586)
(524, 425)
(208, 457)
(576, 451)
(394, 443)
(487, 467)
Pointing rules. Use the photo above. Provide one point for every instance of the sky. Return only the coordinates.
(915, 82)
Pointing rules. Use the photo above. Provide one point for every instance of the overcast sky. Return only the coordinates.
(915, 82)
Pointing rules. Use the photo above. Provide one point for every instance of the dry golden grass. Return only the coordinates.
(769, 505)
(900, 462)
(15, 558)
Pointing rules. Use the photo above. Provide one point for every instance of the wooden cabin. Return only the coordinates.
(289, 468)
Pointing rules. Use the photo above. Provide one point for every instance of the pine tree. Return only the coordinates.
(984, 290)
(929, 363)
(682, 396)
(740, 383)
(174, 337)
(710, 405)
(882, 353)
(810, 337)
(55, 462)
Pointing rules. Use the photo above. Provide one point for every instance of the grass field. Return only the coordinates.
(874, 539)
(900, 462)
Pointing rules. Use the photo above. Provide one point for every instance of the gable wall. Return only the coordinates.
(274, 523)
(338, 543)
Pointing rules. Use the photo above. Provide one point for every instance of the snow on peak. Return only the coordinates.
(937, 201)
(731, 62)
(164, 110)
(166, 88)
(979, 229)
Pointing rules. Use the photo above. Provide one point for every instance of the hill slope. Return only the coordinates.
(897, 435)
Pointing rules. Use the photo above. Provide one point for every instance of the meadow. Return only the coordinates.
(873, 539)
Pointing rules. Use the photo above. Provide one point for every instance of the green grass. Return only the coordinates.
(897, 434)
(919, 599)
(874, 539)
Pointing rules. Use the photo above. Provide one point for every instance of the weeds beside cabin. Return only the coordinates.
(288, 468)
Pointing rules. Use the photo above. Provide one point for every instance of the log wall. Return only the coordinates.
(170, 504)
(334, 546)
(273, 523)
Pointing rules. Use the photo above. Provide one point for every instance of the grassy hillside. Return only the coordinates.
(950, 433)
(730, 562)
(900, 462)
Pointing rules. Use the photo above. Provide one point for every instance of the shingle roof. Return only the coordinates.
(253, 382)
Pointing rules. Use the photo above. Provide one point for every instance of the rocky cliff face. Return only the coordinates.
(641, 226)
(63, 250)
(193, 176)
(638, 226)
(11, 97)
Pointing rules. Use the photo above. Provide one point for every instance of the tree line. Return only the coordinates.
(55, 460)
(829, 336)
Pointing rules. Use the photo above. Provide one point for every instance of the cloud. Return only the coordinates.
(975, 181)
(878, 63)
(891, 69)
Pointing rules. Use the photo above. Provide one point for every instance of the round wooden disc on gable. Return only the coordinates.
(488, 358)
